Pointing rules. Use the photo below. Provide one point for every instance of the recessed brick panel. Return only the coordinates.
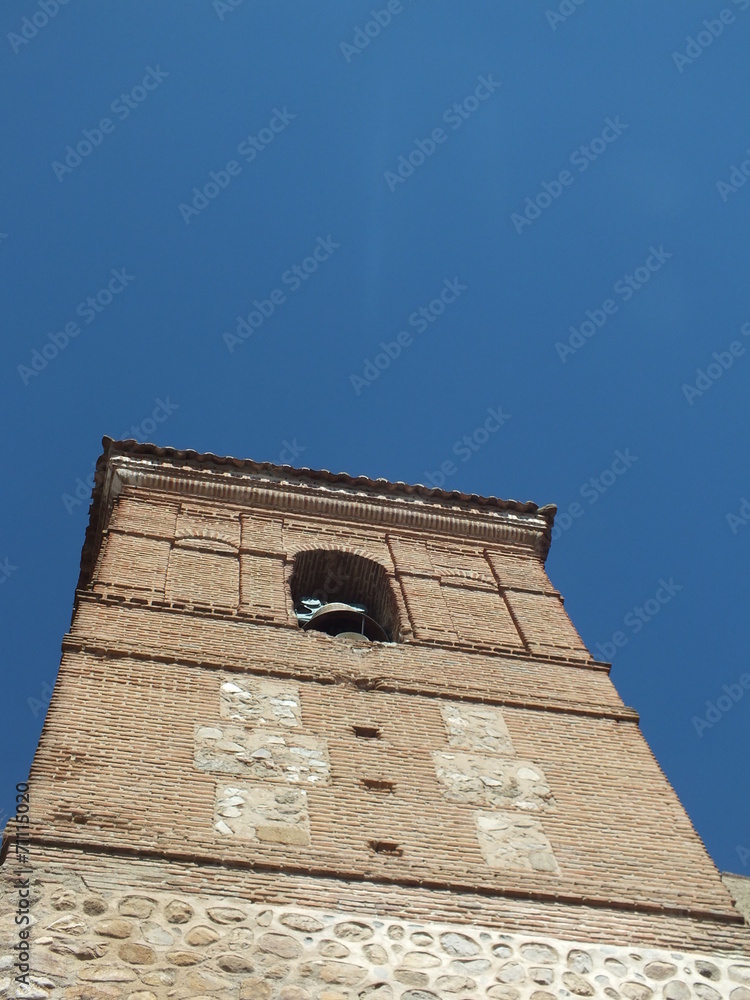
(134, 561)
(411, 555)
(524, 572)
(209, 523)
(263, 533)
(481, 616)
(263, 588)
(428, 609)
(545, 625)
(462, 567)
(136, 512)
(198, 577)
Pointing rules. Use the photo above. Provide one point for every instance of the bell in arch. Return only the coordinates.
(345, 621)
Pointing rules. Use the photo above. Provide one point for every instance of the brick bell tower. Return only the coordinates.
(318, 737)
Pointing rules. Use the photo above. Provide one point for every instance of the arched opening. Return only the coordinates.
(343, 594)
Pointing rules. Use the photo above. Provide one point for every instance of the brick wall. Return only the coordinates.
(446, 593)
(482, 761)
(117, 766)
(131, 929)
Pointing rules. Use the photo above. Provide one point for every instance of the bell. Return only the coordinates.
(342, 620)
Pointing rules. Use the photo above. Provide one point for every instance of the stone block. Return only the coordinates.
(340, 973)
(182, 958)
(94, 905)
(137, 906)
(283, 945)
(262, 755)
(497, 782)
(261, 702)
(301, 922)
(177, 911)
(201, 936)
(107, 974)
(83, 950)
(137, 954)
(114, 928)
(268, 813)
(226, 915)
(477, 727)
(255, 988)
(233, 962)
(508, 840)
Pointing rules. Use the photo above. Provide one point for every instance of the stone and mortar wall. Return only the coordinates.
(94, 943)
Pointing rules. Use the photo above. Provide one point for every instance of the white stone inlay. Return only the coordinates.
(271, 814)
(260, 701)
(262, 754)
(500, 782)
(477, 727)
(508, 840)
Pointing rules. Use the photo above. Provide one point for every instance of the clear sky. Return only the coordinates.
(302, 231)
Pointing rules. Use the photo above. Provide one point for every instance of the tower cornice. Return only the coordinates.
(281, 488)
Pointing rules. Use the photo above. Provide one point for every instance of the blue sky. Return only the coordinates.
(295, 229)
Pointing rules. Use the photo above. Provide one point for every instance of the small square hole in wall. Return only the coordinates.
(385, 847)
(378, 785)
(367, 732)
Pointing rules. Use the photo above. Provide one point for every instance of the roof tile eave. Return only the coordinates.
(132, 447)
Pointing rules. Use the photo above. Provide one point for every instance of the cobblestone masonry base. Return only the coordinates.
(148, 944)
